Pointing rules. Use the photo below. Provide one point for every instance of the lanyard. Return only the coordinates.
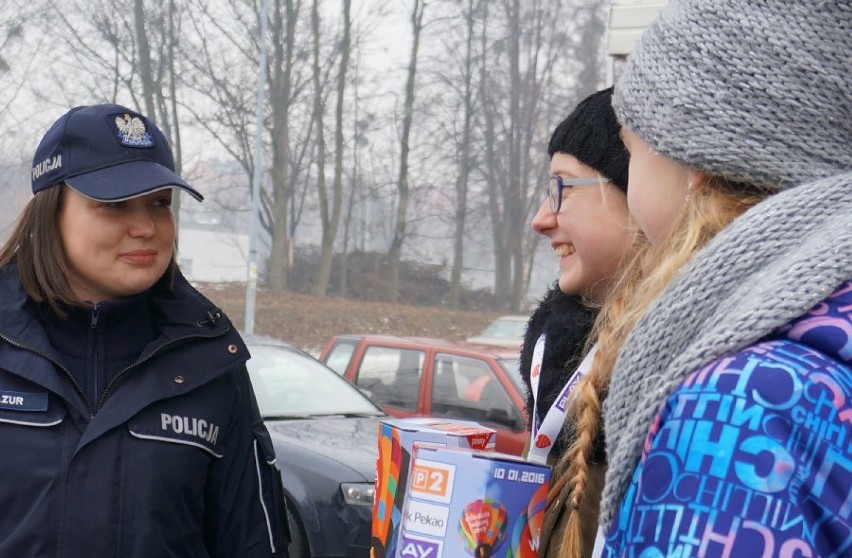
(542, 436)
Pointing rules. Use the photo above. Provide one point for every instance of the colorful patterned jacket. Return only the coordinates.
(752, 454)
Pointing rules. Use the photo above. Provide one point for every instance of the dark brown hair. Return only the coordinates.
(35, 244)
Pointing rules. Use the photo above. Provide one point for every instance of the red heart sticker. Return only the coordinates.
(536, 371)
(542, 441)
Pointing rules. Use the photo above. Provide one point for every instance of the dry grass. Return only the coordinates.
(309, 321)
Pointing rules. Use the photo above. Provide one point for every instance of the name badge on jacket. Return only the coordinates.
(23, 401)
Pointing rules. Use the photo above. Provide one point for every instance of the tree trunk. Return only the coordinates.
(327, 244)
(497, 181)
(280, 256)
(144, 63)
(464, 166)
(395, 252)
(331, 222)
(514, 208)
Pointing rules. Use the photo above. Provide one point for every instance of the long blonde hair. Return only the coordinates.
(643, 278)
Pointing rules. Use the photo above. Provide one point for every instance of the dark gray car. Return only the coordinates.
(325, 435)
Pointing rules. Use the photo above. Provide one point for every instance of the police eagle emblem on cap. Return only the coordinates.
(132, 132)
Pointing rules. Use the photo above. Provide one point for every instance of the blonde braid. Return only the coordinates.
(586, 408)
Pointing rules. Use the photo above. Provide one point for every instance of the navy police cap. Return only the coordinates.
(107, 153)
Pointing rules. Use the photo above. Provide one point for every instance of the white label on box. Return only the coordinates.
(415, 547)
(433, 481)
(426, 518)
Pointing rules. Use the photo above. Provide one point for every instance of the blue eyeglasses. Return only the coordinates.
(555, 185)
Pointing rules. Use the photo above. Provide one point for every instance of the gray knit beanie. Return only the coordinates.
(758, 91)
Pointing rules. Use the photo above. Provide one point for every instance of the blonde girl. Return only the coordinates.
(722, 380)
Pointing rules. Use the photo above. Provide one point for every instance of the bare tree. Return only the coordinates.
(484, 85)
(330, 216)
(528, 79)
(354, 196)
(21, 41)
(159, 89)
(319, 117)
(222, 60)
(282, 97)
(395, 252)
(464, 149)
(587, 70)
(11, 32)
(589, 46)
(351, 195)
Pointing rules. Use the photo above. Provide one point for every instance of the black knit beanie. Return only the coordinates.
(590, 134)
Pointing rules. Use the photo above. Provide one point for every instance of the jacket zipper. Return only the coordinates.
(94, 327)
(58, 365)
(95, 313)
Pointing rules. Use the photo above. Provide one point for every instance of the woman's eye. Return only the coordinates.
(163, 202)
(114, 205)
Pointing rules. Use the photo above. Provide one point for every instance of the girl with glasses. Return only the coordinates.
(586, 221)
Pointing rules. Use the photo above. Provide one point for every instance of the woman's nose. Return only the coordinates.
(142, 223)
(544, 219)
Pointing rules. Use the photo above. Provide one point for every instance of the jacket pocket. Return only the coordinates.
(271, 490)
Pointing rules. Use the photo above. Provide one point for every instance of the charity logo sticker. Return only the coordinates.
(482, 527)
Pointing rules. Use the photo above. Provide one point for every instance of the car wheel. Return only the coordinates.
(298, 540)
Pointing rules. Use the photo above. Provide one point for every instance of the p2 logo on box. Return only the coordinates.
(432, 481)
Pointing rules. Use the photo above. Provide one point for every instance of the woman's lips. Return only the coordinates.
(140, 257)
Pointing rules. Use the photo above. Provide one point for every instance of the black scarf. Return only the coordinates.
(567, 323)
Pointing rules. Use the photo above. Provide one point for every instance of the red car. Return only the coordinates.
(409, 376)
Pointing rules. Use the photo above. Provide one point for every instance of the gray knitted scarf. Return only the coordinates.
(768, 267)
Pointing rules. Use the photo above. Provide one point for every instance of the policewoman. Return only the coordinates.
(128, 424)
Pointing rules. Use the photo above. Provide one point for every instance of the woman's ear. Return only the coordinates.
(697, 179)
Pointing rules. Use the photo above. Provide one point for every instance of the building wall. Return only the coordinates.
(212, 256)
(628, 19)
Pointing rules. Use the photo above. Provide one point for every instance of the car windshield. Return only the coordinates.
(289, 383)
(505, 328)
(512, 366)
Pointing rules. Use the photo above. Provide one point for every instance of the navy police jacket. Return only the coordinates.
(175, 463)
